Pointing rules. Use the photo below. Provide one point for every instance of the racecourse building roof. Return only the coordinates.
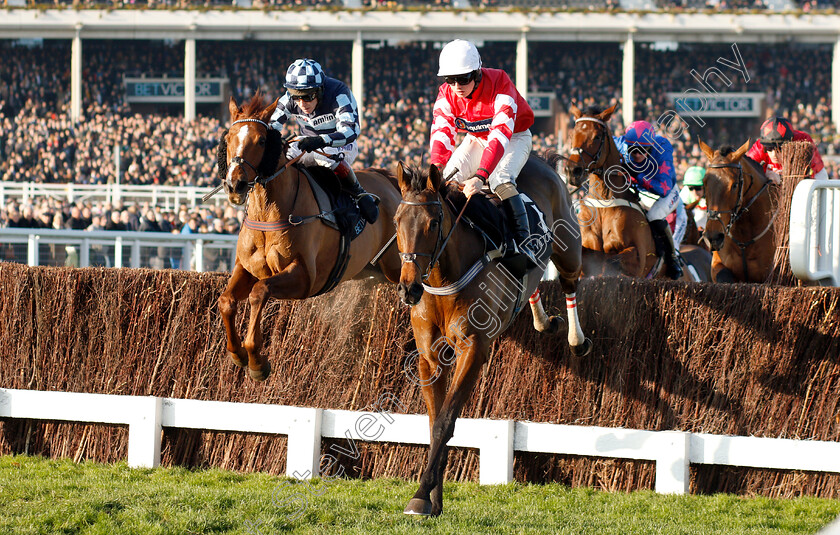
(318, 25)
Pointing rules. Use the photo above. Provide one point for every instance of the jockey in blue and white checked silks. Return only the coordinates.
(328, 117)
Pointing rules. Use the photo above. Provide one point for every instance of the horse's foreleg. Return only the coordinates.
(291, 283)
(238, 287)
(433, 387)
(542, 321)
(471, 356)
(721, 273)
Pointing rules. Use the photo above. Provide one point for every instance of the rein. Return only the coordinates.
(439, 248)
(738, 211)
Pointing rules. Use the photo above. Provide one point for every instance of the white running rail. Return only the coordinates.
(82, 248)
(815, 231)
(496, 440)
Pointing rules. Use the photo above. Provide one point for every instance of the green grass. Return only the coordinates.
(43, 496)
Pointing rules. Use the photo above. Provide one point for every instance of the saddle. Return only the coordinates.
(336, 209)
(484, 215)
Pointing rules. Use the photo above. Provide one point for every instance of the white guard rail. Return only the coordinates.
(496, 440)
(81, 248)
(168, 198)
(815, 231)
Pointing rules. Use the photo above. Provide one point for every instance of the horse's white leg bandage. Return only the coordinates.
(576, 337)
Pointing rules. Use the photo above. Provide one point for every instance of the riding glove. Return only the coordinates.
(310, 143)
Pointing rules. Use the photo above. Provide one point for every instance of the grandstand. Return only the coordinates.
(94, 93)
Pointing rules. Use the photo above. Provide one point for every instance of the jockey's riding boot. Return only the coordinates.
(367, 202)
(518, 218)
(665, 247)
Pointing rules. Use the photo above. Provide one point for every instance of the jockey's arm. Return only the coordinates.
(347, 128)
(442, 137)
(281, 113)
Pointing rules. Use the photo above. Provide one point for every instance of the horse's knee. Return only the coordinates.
(227, 305)
(259, 294)
(724, 276)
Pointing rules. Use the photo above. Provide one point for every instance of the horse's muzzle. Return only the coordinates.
(410, 294)
(576, 175)
(715, 240)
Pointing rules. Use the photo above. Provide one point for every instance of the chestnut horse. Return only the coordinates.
(453, 308)
(614, 228)
(740, 224)
(277, 255)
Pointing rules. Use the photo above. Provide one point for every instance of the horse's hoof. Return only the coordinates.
(261, 374)
(554, 325)
(240, 358)
(583, 349)
(417, 506)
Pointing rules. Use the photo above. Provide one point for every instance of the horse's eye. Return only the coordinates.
(262, 142)
(433, 225)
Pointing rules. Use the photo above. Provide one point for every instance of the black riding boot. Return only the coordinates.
(367, 202)
(518, 218)
(665, 247)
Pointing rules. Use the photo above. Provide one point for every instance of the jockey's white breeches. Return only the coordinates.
(664, 205)
(681, 224)
(467, 158)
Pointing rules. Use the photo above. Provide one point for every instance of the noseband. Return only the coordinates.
(238, 160)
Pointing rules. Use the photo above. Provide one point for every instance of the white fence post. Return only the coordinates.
(144, 433)
(303, 451)
(672, 461)
(495, 464)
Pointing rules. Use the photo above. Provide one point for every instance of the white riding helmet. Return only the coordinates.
(459, 57)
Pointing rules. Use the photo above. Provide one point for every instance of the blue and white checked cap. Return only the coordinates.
(304, 74)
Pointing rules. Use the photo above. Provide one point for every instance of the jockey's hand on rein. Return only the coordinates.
(310, 143)
(473, 186)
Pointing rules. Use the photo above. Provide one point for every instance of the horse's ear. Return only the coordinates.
(402, 179)
(707, 150)
(266, 114)
(735, 156)
(575, 111)
(232, 107)
(607, 113)
(435, 178)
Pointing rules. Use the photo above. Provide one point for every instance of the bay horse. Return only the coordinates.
(452, 311)
(614, 227)
(739, 228)
(282, 252)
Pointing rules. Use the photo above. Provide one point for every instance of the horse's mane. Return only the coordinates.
(419, 178)
(591, 111)
(253, 106)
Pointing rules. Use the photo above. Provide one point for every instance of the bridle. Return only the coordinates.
(238, 160)
(598, 159)
(438, 250)
(737, 212)
(440, 242)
